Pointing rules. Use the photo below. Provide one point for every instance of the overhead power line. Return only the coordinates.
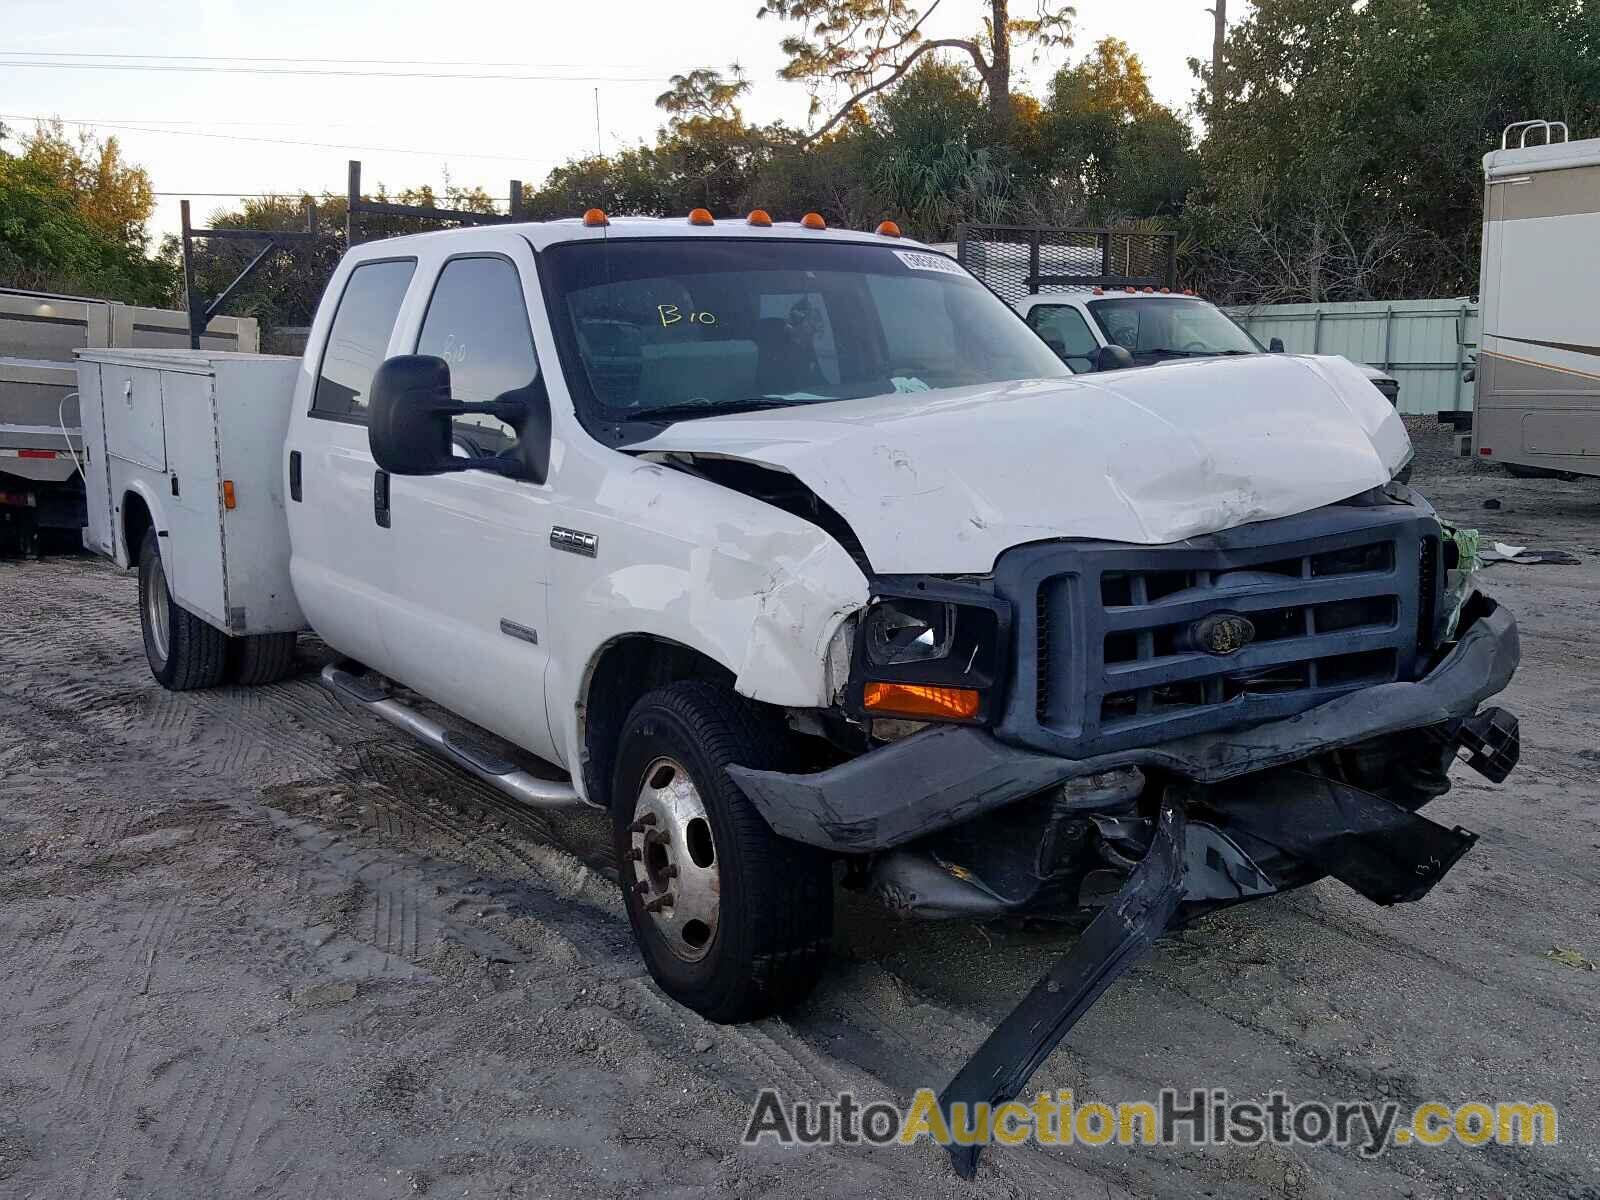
(338, 73)
(300, 58)
(242, 137)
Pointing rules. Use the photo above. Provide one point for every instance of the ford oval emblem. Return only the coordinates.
(1222, 633)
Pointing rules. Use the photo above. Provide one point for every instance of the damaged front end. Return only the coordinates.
(1160, 732)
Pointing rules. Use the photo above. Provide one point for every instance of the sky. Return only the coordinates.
(212, 131)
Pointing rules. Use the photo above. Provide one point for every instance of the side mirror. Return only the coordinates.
(1275, 346)
(1112, 358)
(410, 412)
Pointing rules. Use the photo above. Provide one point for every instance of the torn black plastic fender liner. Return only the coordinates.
(1113, 941)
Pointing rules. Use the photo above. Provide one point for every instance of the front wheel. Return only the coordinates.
(183, 651)
(733, 921)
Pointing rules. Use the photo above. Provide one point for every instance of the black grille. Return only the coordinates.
(1337, 600)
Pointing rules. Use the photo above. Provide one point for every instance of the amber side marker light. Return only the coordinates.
(229, 500)
(760, 218)
(594, 217)
(701, 216)
(888, 229)
(914, 700)
(813, 221)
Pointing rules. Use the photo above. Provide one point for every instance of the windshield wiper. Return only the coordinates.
(680, 412)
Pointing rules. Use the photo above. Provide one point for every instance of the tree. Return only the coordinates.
(704, 95)
(1343, 159)
(1110, 81)
(110, 194)
(867, 46)
(47, 244)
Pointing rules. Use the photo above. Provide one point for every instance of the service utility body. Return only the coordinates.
(794, 547)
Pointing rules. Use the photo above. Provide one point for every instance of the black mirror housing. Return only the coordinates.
(410, 414)
(1113, 358)
(1275, 346)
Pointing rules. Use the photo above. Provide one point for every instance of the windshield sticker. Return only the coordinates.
(671, 314)
(928, 262)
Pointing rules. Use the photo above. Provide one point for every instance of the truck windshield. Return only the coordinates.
(676, 329)
(1152, 328)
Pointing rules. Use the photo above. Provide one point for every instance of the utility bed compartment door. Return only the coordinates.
(195, 566)
(131, 402)
(98, 536)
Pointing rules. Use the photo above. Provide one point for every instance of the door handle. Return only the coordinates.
(380, 498)
(294, 475)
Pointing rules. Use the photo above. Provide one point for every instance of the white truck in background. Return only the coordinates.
(41, 444)
(790, 547)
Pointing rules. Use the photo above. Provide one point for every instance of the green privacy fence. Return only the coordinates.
(1426, 344)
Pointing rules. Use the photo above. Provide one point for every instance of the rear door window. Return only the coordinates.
(358, 340)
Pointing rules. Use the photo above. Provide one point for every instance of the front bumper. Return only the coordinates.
(945, 776)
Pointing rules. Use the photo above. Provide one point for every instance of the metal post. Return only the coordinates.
(1172, 261)
(1033, 262)
(1316, 333)
(1461, 329)
(1388, 337)
(516, 199)
(353, 199)
(1105, 251)
(961, 243)
(188, 276)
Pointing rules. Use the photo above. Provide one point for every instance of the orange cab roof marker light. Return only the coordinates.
(595, 217)
(701, 216)
(917, 700)
(813, 220)
(888, 229)
(760, 218)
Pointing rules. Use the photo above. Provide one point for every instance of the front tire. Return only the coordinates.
(732, 920)
(183, 651)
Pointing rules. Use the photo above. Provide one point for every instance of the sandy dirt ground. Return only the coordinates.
(252, 944)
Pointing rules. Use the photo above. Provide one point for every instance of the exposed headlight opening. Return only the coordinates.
(909, 631)
(930, 649)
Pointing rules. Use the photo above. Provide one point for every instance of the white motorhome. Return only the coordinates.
(1538, 400)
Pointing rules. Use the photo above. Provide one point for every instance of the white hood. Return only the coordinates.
(942, 482)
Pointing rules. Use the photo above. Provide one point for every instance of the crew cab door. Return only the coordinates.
(341, 565)
(467, 623)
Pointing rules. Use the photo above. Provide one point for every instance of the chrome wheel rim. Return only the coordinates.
(674, 860)
(157, 618)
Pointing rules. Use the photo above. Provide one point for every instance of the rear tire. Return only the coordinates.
(183, 651)
(743, 919)
(260, 658)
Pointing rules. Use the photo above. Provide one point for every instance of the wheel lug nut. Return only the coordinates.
(658, 903)
(642, 887)
(643, 823)
(635, 853)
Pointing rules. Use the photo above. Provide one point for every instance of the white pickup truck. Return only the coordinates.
(792, 546)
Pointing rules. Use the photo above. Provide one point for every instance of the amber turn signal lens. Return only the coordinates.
(813, 221)
(229, 501)
(700, 216)
(595, 217)
(760, 217)
(888, 229)
(914, 700)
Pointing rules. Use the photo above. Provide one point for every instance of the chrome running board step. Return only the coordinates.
(462, 749)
